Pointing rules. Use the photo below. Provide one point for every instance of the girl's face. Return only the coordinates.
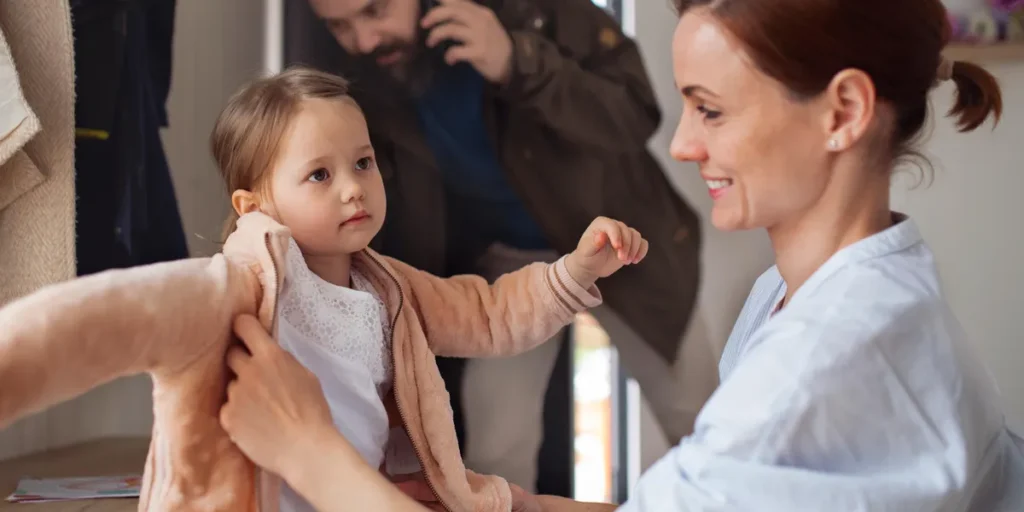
(325, 185)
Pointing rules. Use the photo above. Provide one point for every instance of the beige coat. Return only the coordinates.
(37, 140)
(173, 320)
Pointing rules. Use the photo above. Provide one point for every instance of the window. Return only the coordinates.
(614, 7)
(601, 403)
(593, 386)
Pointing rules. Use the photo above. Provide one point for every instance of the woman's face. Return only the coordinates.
(763, 155)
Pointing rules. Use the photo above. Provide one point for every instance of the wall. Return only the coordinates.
(970, 216)
(218, 45)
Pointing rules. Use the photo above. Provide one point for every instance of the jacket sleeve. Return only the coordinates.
(464, 316)
(597, 92)
(167, 319)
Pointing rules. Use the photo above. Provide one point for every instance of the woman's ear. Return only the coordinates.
(244, 202)
(850, 98)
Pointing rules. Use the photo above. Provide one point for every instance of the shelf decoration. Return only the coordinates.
(986, 22)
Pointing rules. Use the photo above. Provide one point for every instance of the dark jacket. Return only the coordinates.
(571, 128)
(126, 208)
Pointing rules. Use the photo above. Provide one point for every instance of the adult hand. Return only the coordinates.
(523, 501)
(482, 40)
(275, 405)
(604, 248)
(416, 487)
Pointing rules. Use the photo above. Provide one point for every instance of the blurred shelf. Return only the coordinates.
(986, 52)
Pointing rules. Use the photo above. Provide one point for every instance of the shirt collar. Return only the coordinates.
(902, 235)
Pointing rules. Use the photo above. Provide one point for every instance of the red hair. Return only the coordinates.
(803, 44)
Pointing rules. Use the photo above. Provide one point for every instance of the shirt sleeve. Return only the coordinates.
(822, 427)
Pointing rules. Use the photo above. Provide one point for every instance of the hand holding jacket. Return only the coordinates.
(259, 412)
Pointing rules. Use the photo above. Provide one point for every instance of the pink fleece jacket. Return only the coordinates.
(173, 320)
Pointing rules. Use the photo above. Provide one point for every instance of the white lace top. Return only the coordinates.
(341, 334)
(348, 323)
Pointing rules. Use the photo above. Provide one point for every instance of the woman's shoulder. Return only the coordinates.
(887, 283)
(877, 319)
(871, 302)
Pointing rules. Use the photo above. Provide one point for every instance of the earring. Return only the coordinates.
(833, 144)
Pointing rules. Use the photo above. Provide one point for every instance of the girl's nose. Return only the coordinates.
(352, 191)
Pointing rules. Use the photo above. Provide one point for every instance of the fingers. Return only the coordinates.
(227, 411)
(451, 12)
(637, 250)
(626, 235)
(226, 421)
(459, 53)
(449, 31)
(417, 489)
(237, 359)
(253, 335)
(629, 245)
(633, 245)
(643, 252)
(614, 232)
(600, 241)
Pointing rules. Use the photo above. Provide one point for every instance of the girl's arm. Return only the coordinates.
(465, 317)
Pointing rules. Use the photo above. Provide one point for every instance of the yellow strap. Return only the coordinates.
(89, 133)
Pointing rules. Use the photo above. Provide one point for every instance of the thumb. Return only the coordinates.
(253, 335)
(417, 490)
(600, 240)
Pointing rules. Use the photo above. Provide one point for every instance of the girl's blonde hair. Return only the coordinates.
(248, 133)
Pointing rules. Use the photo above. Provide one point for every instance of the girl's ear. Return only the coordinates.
(244, 202)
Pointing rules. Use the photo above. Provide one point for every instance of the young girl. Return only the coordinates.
(295, 153)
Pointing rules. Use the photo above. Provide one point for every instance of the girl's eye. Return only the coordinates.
(364, 163)
(319, 175)
(708, 113)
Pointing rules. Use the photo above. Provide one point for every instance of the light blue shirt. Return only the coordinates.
(861, 394)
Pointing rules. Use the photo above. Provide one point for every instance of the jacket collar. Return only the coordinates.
(261, 244)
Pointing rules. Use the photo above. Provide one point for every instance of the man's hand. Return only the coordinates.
(605, 247)
(481, 39)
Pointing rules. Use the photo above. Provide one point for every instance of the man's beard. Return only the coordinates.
(413, 74)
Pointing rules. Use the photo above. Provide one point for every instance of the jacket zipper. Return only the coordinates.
(261, 493)
(274, 274)
(394, 364)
